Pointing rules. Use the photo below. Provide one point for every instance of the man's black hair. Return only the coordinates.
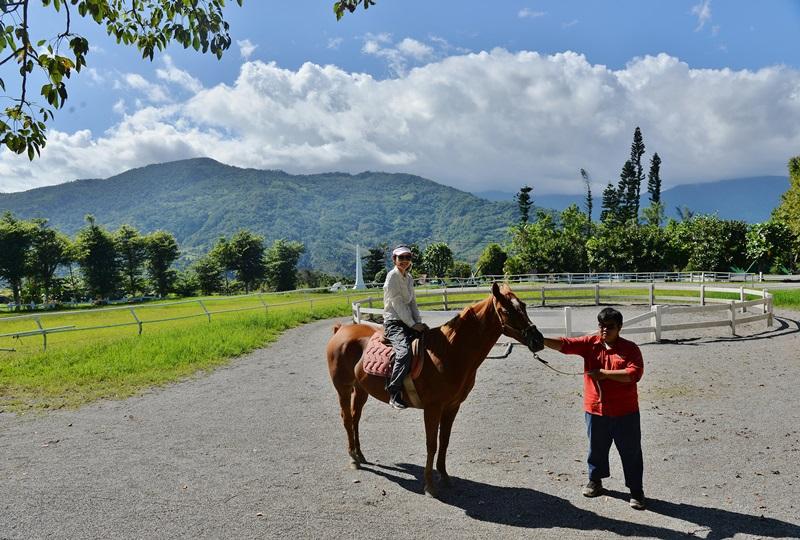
(608, 315)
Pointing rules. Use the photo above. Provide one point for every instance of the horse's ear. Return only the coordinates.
(496, 290)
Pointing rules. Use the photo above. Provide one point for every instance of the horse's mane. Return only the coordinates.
(451, 327)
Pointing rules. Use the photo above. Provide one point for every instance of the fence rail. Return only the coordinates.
(138, 319)
(652, 322)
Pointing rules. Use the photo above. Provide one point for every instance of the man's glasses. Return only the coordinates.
(404, 257)
(607, 326)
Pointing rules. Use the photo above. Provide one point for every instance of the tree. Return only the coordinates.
(16, 237)
(340, 6)
(438, 259)
(97, 257)
(770, 247)
(554, 243)
(132, 252)
(654, 179)
(788, 211)
(524, 202)
(628, 193)
(247, 251)
(162, 251)
(710, 243)
(281, 260)
(222, 253)
(610, 212)
(588, 203)
(491, 261)
(461, 269)
(49, 250)
(637, 151)
(374, 261)
(209, 275)
(147, 24)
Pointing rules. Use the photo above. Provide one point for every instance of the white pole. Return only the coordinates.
(567, 321)
(359, 274)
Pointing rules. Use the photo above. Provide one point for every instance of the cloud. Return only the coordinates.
(172, 74)
(703, 13)
(334, 43)
(488, 120)
(246, 48)
(526, 13)
(155, 93)
(569, 24)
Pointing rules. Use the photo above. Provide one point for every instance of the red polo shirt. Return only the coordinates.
(614, 398)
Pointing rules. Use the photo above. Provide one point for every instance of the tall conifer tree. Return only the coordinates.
(654, 179)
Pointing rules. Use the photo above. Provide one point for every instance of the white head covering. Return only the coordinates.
(401, 250)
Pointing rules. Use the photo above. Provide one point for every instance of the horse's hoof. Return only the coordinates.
(431, 492)
(445, 480)
(362, 459)
(355, 465)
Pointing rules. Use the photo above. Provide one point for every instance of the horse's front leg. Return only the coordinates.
(345, 397)
(433, 416)
(446, 426)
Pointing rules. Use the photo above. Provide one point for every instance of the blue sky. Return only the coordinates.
(467, 95)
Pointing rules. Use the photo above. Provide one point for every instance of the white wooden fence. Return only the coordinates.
(661, 317)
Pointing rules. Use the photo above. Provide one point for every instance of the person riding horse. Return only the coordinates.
(401, 321)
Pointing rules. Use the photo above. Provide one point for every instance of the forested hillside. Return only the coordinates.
(199, 200)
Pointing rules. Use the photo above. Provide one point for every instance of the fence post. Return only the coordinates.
(358, 313)
(733, 317)
(202, 305)
(44, 332)
(702, 294)
(767, 306)
(444, 297)
(597, 294)
(652, 291)
(543, 299)
(261, 298)
(657, 327)
(764, 297)
(567, 321)
(741, 299)
(137, 320)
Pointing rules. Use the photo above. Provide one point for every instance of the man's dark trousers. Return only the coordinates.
(626, 433)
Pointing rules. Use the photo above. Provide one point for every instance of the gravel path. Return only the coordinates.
(257, 450)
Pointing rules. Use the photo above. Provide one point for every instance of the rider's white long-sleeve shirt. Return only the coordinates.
(399, 299)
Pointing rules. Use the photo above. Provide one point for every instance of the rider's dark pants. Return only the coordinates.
(401, 337)
(626, 433)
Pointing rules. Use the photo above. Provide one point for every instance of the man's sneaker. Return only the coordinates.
(593, 489)
(638, 501)
(397, 402)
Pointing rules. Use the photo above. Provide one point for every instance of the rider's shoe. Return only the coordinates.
(397, 402)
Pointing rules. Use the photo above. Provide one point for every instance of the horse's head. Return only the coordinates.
(514, 318)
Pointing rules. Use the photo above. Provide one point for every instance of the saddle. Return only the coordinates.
(378, 356)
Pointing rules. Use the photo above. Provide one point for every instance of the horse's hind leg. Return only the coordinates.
(345, 396)
(359, 398)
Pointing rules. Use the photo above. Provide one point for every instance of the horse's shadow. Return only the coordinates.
(531, 509)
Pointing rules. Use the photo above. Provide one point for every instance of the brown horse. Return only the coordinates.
(454, 352)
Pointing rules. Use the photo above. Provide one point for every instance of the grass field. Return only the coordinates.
(88, 363)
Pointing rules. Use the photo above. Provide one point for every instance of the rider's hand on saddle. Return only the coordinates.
(420, 327)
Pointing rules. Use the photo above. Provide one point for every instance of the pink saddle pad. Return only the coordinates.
(378, 357)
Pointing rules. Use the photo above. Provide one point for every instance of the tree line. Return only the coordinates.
(41, 264)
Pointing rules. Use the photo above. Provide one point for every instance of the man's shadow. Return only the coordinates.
(531, 509)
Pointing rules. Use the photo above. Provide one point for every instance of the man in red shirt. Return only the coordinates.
(612, 366)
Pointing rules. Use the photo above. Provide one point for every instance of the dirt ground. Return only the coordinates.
(257, 450)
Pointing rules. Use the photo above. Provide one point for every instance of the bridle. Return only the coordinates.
(508, 330)
(525, 335)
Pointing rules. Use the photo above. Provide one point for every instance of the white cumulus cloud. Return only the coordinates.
(488, 120)
(246, 48)
(703, 13)
(527, 13)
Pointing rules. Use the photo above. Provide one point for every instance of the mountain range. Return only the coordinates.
(200, 200)
(748, 199)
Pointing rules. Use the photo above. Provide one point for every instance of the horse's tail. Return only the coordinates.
(336, 327)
